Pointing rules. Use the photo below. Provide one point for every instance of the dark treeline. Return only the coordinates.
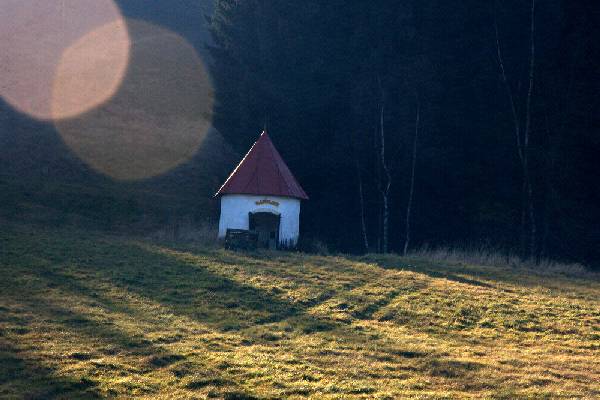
(433, 121)
(446, 123)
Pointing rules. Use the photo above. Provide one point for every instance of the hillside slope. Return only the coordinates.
(57, 172)
(84, 315)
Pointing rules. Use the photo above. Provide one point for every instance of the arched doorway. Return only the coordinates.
(266, 225)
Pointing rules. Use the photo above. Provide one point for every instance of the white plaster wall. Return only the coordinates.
(235, 209)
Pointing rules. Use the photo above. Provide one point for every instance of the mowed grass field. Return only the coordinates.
(85, 315)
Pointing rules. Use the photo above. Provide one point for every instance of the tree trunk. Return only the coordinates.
(526, 169)
(412, 180)
(517, 127)
(361, 199)
(387, 181)
(528, 240)
(379, 224)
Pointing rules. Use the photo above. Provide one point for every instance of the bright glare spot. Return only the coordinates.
(60, 58)
(90, 70)
(158, 116)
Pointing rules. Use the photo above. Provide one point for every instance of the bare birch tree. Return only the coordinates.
(412, 178)
(361, 199)
(522, 136)
(386, 181)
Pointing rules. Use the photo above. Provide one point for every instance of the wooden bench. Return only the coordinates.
(241, 239)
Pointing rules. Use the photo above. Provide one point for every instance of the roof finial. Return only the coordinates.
(265, 125)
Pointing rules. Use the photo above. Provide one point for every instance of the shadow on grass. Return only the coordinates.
(445, 271)
(521, 277)
(96, 339)
(89, 269)
(25, 377)
(188, 289)
(102, 275)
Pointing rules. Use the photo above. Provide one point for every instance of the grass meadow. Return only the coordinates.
(87, 315)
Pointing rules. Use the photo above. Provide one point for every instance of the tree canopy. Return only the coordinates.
(319, 74)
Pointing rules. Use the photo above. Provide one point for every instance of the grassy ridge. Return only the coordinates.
(84, 315)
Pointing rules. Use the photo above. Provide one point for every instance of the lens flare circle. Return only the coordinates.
(157, 118)
(90, 71)
(61, 58)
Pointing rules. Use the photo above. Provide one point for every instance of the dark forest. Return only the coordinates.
(484, 116)
(409, 124)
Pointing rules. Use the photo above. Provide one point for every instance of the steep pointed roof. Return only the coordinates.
(262, 171)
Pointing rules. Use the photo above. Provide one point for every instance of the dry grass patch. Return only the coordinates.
(84, 315)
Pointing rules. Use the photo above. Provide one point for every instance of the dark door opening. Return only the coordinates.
(266, 225)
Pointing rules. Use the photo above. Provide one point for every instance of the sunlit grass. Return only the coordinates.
(85, 315)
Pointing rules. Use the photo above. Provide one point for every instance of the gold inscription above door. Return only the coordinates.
(267, 201)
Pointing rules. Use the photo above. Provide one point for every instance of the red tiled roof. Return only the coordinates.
(262, 171)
